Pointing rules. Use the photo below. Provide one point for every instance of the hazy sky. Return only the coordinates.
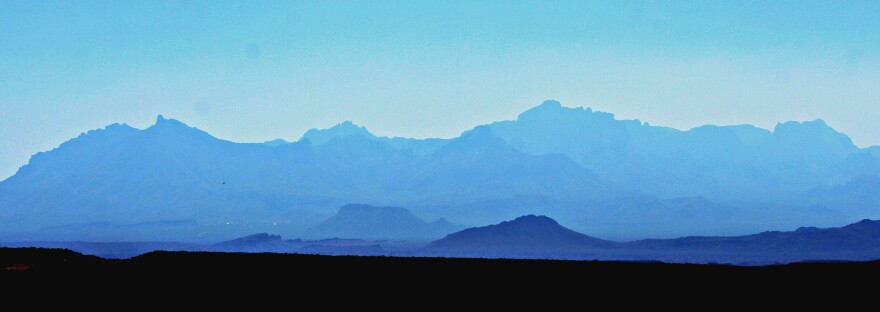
(255, 71)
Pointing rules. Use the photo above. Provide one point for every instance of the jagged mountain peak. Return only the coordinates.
(553, 110)
(161, 121)
(809, 130)
(809, 124)
(173, 128)
(343, 129)
(813, 136)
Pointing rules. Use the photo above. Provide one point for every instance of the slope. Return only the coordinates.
(369, 222)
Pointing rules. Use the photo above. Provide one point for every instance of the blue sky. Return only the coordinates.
(255, 71)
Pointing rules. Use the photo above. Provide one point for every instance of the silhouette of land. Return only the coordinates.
(538, 237)
(360, 274)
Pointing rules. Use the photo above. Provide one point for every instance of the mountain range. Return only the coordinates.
(543, 238)
(740, 162)
(540, 237)
(621, 179)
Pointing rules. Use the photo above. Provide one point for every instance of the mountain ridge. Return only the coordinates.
(568, 162)
(724, 162)
(541, 237)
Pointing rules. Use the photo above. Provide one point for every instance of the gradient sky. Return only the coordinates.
(254, 71)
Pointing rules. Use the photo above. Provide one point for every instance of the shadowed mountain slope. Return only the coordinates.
(364, 221)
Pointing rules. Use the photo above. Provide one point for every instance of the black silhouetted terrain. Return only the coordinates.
(179, 274)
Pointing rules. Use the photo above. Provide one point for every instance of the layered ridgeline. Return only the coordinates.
(612, 178)
(543, 238)
(721, 162)
(540, 237)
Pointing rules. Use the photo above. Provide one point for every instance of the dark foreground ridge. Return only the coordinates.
(362, 280)
(360, 271)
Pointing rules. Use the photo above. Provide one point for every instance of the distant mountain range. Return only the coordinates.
(540, 237)
(620, 179)
(721, 162)
(263, 242)
(347, 128)
(543, 238)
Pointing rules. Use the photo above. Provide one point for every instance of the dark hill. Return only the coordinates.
(860, 237)
(541, 237)
(526, 236)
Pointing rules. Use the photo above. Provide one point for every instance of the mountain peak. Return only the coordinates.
(808, 124)
(533, 223)
(550, 104)
(276, 142)
(480, 139)
(523, 235)
(173, 128)
(342, 129)
(546, 107)
(552, 110)
(161, 121)
(534, 220)
(812, 133)
(262, 242)
(867, 222)
(866, 225)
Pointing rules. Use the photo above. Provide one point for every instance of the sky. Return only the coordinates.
(252, 71)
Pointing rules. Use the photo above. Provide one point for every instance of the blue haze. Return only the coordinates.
(261, 70)
(613, 178)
